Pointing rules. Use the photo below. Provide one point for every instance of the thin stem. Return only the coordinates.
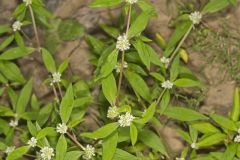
(55, 93)
(26, 36)
(74, 139)
(179, 46)
(122, 59)
(29, 155)
(35, 27)
(160, 96)
(60, 90)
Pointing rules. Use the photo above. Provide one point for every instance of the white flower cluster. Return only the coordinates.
(131, 1)
(17, 26)
(112, 112)
(194, 146)
(118, 66)
(10, 149)
(13, 123)
(165, 60)
(123, 43)
(56, 77)
(62, 128)
(195, 17)
(167, 84)
(89, 152)
(46, 153)
(237, 138)
(125, 120)
(28, 2)
(32, 142)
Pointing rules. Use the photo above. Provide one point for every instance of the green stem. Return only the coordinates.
(122, 59)
(179, 46)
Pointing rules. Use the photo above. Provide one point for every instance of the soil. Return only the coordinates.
(220, 86)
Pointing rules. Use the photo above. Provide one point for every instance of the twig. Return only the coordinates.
(179, 46)
(74, 139)
(55, 93)
(34, 27)
(60, 90)
(122, 59)
(160, 96)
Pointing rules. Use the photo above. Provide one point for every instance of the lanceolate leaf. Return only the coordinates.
(140, 23)
(185, 82)
(102, 132)
(123, 155)
(215, 5)
(109, 146)
(109, 65)
(24, 97)
(61, 148)
(109, 88)
(224, 122)
(48, 61)
(18, 153)
(138, 85)
(211, 139)
(205, 127)
(15, 53)
(150, 139)
(67, 105)
(105, 3)
(148, 115)
(186, 114)
(236, 106)
(133, 134)
(46, 131)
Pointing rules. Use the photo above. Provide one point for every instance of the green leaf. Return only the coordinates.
(46, 131)
(109, 65)
(205, 127)
(165, 101)
(24, 97)
(73, 155)
(15, 53)
(114, 32)
(32, 128)
(139, 24)
(143, 52)
(133, 133)
(230, 151)
(148, 115)
(158, 76)
(11, 71)
(63, 66)
(150, 139)
(185, 82)
(102, 132)
(105, 3)
(61, 148)
(48, 61)
(109, 146)
(138, 85)
(19, 40)
(180, 31)
(4, 29)
(6, 42)
(185, 136)
(210, 140)
(66, 105)
(18, 153)
(186, 114)
(123, 155)
(70, 30)
(236, 106)
(44, 114)
(109, 88)
(224, 122)
(214, 6)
